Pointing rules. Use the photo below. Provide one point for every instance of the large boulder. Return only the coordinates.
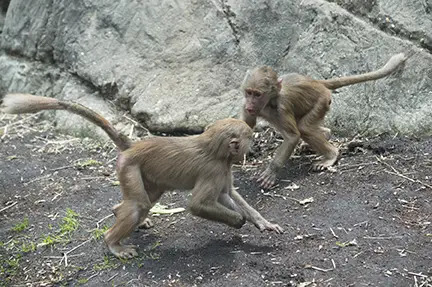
(176, 66)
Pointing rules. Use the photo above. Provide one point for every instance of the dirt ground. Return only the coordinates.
(365, 223)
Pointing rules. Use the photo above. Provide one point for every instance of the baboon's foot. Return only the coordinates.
(324, 163)
(123, 251)
(146, 223)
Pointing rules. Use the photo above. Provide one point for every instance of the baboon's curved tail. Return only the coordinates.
(26, 103)
(388, 68)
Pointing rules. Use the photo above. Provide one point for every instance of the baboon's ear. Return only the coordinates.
(279, 85)
(246, 78)
(208, 126)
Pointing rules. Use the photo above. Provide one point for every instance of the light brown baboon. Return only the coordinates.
(296, 105)
(147, 168)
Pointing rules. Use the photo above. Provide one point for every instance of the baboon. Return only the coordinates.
(147, 168)
(296, 105)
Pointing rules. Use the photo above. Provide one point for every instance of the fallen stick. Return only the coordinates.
(382, 237)
(5, 130)
(334, 234)
(65, 254)
(398, 173)
(308, 266)
(418, 274)
(106, 217)
(9, 206)
(410, 179)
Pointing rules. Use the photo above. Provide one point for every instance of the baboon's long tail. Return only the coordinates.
(26, 103)
(388, 68)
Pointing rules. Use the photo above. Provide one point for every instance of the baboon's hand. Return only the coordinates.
(240, 222)
(267, 178)
(267, 226)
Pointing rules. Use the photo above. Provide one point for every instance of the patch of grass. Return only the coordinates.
(11, 244)
(9, 267)
(51, 240)
(11, 254)
(115, 183)
(99, 232)
(28, 247)
(156, 245)
(106, 264)
(21, 225)
(19, 246)
(82, 281)
(14, 263)
(69, 222)
(68, 225)
(89, 162)
(47, 240)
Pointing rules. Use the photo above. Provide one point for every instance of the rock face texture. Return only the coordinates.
(175, 66)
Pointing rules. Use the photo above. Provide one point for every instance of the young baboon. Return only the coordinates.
(296, 105)
(147, 168)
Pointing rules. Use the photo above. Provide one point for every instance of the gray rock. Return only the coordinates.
(177, 65)
(411, 19)
(37, 78)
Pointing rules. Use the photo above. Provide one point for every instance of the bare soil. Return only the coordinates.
(365, 223)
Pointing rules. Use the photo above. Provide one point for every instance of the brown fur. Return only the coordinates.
(296, 105)
(148, 168)
(26, 103)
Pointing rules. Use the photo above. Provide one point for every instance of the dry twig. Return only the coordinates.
(382, 237)
(9, 206)
(65, 254)
(308, 266)
(101, 220)
(418, 274)
(398, 173)
(112, 277)
(334, 234)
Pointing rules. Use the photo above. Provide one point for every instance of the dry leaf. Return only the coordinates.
(306, 201)
(163, 209)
